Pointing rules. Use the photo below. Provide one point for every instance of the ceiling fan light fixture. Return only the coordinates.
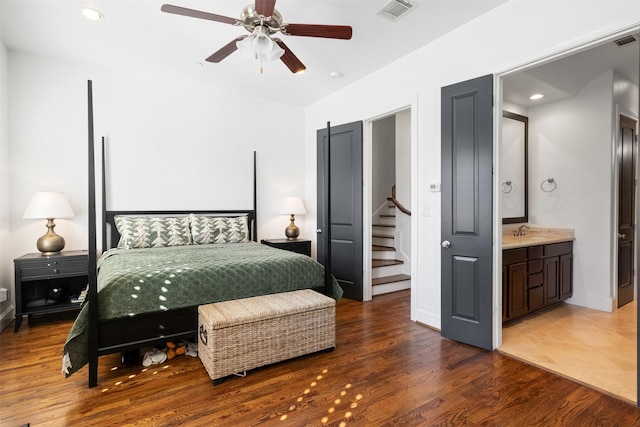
(245, 47)
(275, 53)
(262, 43)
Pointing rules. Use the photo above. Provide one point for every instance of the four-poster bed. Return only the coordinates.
(150, 288)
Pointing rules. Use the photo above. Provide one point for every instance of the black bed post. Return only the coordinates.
(327, 251)
(255, 200)
(93, 283)
(103, 220)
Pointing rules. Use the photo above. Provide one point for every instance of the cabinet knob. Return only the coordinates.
(55, 270)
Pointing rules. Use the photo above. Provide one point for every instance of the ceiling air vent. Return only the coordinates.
(394, 9)
(626, 40)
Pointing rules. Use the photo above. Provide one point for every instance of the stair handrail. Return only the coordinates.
(395, 201)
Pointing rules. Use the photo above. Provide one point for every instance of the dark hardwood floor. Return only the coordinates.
(386, 370)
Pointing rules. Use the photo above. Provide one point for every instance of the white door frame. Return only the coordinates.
(367, 171)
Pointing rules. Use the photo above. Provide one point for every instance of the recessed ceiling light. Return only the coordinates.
(536, 96)
(92, 14)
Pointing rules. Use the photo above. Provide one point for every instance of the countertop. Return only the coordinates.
(536, 236)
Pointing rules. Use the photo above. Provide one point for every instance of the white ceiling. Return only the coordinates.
(565, 77)
(136, 35)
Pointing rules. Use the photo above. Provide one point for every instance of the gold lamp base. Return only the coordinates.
(51, 243)
(292, 231)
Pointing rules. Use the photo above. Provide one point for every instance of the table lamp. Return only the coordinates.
(49, 205)
(292, 206)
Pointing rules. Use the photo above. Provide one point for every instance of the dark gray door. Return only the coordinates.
(467, 156)
(345, 204)
(626, 210)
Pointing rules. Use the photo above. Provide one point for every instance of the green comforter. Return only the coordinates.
(135, 281)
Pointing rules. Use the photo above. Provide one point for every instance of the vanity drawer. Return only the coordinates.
(535, 280)
(534, 266)
(555, 249)
(535, 252)
(512, 256)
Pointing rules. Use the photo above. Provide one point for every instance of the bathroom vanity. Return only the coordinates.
(537, 271)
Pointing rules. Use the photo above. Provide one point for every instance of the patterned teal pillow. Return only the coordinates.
(211, 229)
(152, 232)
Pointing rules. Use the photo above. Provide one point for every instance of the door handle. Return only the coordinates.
(622, 236)
(319, 230)
(446, 244)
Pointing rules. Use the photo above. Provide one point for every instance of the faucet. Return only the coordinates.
(522, 230)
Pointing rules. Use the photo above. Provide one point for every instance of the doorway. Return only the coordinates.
(585, 197)
(390, 202)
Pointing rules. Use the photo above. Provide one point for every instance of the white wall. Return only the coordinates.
(486, 45)
(570, 141)
(6, 265)
(383, 159)
(171, 145)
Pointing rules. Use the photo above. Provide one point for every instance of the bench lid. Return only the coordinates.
(247, 310)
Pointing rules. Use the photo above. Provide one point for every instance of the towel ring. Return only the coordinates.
(507, 187)
(549, 188)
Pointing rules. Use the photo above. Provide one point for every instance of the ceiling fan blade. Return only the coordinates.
(225, 50)
(197, 14)
(311, 30)
(290, 60)
(265, 7)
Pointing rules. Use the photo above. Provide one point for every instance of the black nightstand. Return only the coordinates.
(46, 284)
(294, 245)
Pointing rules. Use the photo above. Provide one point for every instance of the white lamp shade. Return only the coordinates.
(245, 47)
(46, 204)
(293, 205)
(275, 53)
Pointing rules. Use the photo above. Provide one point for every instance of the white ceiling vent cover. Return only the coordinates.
(395, 9)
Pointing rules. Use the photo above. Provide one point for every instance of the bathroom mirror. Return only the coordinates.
(514, 168)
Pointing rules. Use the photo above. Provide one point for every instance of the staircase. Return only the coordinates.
(387, 270)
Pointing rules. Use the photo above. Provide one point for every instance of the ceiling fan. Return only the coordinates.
(262, 20)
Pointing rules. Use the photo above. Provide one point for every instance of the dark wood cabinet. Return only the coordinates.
(517, 290)
(566, 276)
(300, 246)
(535, 277)
(49, 284)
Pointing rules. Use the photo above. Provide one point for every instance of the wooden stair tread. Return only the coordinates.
(390, 279)
(384, 225)
(385, 262)
(386, 236)
(383, 248)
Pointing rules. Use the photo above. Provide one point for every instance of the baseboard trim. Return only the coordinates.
(7, 317)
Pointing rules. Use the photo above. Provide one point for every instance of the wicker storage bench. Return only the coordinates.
(239, 335)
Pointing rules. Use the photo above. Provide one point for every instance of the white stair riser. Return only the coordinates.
(383, 254)
(383, 241)
(391, 287)
(384, 231)
(389, 270)
(385, 220)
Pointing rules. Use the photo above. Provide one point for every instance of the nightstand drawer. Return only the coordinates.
(294, 245)
(45, 270)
